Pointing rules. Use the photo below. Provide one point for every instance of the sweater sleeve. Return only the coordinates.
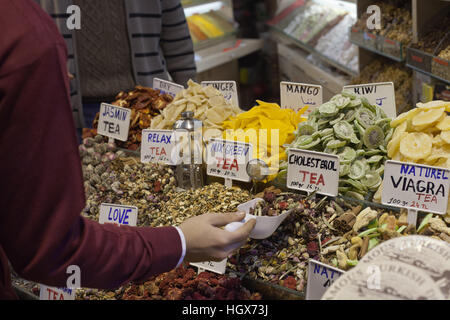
(176, 42)
(41, 230)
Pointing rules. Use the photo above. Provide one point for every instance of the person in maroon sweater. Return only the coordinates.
(41, 230)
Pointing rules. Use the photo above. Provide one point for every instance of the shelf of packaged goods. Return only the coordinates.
(428, 64)
(281, 37)
(324, 78)
(224, 52)
(377, 44)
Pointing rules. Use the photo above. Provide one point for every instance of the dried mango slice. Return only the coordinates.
(427, 117)
(436, 104)
(416, 146)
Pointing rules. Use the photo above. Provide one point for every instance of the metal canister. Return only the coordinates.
(189, 137)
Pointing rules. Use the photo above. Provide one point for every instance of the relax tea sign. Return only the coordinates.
(416, 186)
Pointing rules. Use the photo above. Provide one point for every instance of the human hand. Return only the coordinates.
(205, 241)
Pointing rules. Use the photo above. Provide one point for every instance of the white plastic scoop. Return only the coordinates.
(265, 225)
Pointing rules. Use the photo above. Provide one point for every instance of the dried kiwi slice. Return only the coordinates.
(365, 117)
(343, 130)
(373, 137)
(344, 169)
(328, 109)
(360, 152)
(350, 115)
(348, 154)
(374, 159)
(326, 132)
(370, 179)
(355, 103)
(354, 195)
(303, 140)
(348, 94)
(341, 116)
(357, 170)
(342, 102)
(373, 152)
(310, 145)
(305, 128)
(334, 144)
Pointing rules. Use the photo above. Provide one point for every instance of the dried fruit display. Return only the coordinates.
(385, 70)
(208, 25)
(182, 283)
(336, 232)
(145, 103)
(422, 135)
(311, 21)
(208, 105)
(358, 132)
(255, 127)
(436, 39)
(396, 22)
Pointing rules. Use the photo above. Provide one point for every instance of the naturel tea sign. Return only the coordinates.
(114, 121)
(52, 293)
(320, 278)
(296, 96)
(416, 187)
(167, 87)
(381, 94)
(313, 171)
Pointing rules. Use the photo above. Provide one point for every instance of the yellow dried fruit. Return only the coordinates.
(427, 117)
(416, 146)
(444, 124)
(404, 116)
(445, 135)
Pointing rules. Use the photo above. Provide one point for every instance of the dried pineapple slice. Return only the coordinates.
(437, 141)
(416, 146)
(436, 104)
(445, 135)
(394, 145)
(444, 124)
(427, 117)
(404, 116)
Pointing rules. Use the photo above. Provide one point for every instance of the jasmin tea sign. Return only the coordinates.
(416, 187)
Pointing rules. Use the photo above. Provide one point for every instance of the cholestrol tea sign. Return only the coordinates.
(380, 94)
(295, 96)
(416, 187)
(228, 159)
(313, 171)
(114, 122)
(157, 146)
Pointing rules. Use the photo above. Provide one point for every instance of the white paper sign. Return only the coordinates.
(320, 278)
(51, 293)
(216, 267)
(168, 87)
(114, 121)
(118, 214)
(228, 159)
(313, 171)
(157, 146)
(227, 88)
(416, 186)
(295, 96)
(381, 94)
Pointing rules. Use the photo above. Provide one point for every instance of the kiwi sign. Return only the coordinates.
(381, 94)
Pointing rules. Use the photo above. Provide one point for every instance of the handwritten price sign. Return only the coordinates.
(416, 187)
(295, 96)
